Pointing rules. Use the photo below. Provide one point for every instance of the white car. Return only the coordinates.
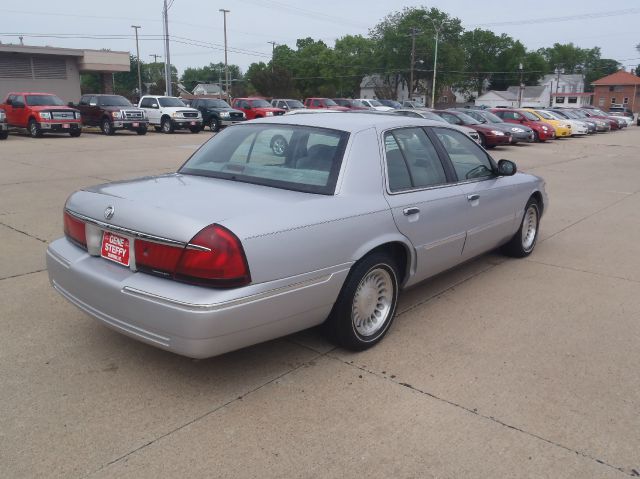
(168, 113)
(374, 104)
(578, 128)
(627, 120)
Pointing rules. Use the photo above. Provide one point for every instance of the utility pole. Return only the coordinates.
(167, 57)
(521, 86)
(226, 64)
(414, 32)
(273, 52)
(557, 71)
(135, 27)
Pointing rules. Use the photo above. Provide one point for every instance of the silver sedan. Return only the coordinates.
(245, 243)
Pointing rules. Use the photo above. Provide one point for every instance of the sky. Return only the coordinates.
(196, 27)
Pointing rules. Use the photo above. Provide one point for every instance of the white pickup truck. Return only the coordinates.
(168, 113)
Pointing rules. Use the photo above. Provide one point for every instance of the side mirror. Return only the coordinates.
(71, 105)
(507, 168)
(93, 103)
(9, 102)
(154, 105)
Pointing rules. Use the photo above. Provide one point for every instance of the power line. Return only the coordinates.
(585, 16)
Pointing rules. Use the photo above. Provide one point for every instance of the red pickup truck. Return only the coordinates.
(41, 113)
(256, 108)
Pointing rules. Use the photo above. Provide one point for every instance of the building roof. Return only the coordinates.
(534, 91)
(618, 78)
(106, 61)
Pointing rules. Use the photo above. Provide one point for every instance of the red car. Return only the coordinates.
(41, 113)
(489, 137)
(541, 130)
(601, 115)
(256, 108)
(323, 103)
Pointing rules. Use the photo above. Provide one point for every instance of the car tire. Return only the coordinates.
(34, 129)
(166, 126)
(4, 134)
(279, 145)
(214, 125)
(107, 128)
(195, 129)
(483, 141)
(142, 131)
(366, 305)
(524, 241)
(75, 133)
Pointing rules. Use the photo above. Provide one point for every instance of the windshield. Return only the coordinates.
(330, 102)
(491, 117)
(466, 119)
(169, 101)
(375, 103)
(546, 115)
(216, 104)
(561, 114)
(598, 112)
(260, 104)
(391, 103)
(530, 116)
(113, 100)
(343, 102)
(294, 104)
(44, 100)
(291, 157)
(431, 116)
(580, 114)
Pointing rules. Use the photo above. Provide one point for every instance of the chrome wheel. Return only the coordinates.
(529, 228)
(372, 302)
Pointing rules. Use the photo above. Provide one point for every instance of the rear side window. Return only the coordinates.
(412, 160)
(292, 157)
(468, 159)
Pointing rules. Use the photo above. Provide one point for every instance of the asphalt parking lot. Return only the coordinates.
(499, 368)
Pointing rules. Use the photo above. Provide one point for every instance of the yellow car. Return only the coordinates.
(562, 129)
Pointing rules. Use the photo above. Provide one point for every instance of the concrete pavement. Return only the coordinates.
(498, 368)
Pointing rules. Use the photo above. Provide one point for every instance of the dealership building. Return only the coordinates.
(56, 70)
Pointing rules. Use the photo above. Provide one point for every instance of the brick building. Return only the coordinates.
(620, 88)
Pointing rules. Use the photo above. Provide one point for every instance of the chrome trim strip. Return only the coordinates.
(136, 234)
(231, 303)
(443, 241)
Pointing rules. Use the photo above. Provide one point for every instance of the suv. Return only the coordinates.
(256, 107)
(323, 103)
(112, 113)
(168, 113)
(4, 129)
(216, 113)
(41, 112)
(287, 104)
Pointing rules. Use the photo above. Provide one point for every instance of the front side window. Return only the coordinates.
(170, 102)
(292, 157)
(412, 160)
(469, 160)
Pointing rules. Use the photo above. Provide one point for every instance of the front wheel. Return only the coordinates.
(142, 130)
(214, 125)
(366, 305)
(75, 133)
(157, 128)
(34, 129)
(4, 134)
(107, 127)
(524, 241)
(195, 129)
(167, 126)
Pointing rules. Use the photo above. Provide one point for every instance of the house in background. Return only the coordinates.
(371, 84)
(209, 89)
(566, 90)
(532, 97)
(620, 88)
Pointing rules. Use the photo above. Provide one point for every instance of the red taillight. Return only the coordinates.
(158, 258)
(222, 263)
(74, 229)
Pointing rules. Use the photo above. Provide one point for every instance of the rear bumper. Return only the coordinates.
(228, 122)
(131, 124)
(189, 320)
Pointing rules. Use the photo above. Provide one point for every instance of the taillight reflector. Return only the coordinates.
(74, 229)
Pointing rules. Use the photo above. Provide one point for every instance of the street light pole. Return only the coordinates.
(226, 65)
(414, 32)
(437, 29)
(273, 52)
(520, 91)
(167, 57)
(135, 27)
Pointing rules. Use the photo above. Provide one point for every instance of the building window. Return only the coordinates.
(610, 88)
(613, 100)
(559, 99)
(601, 101)
(626, 100)
(572, 99)
(618, 88)
(444, 99)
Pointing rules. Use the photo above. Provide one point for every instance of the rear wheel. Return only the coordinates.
(483, 141)
(524, 241)
(167, 126)
(34, 129)
(107, 127)
(366, 305)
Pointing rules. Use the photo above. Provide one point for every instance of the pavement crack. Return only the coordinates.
(578, 270)
(204, 415)
(24, 233)
(630, 472)
(23, 274)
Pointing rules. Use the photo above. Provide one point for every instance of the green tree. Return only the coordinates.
(212, 73)
(270, 82)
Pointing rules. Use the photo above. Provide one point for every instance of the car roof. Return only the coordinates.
(348, 121)
(30, 93)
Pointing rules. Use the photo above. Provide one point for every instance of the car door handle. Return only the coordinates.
(411, 211)
(473, 197)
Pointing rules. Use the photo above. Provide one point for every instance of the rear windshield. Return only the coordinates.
(44, 100)
(300, 158)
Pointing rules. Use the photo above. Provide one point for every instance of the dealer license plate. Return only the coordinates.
(135, 125)
(115, 248)
(66, 125)
(193, 123)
